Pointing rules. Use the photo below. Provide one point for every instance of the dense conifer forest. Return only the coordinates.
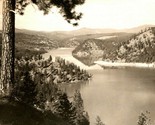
(36, 85)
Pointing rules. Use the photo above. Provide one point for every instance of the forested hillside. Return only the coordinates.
(93, 49)
(80, 39)
(140, 48)
(36, 90)
(27, 44)
(36, 86)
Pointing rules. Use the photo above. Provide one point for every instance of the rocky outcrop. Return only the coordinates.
(94, 49)
(140, 48)
(90, 50)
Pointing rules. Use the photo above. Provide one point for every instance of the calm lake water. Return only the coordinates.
(118, 96)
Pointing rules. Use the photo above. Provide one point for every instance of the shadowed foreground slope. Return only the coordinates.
(16, 113)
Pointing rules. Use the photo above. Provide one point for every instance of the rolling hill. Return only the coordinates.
(124, 47)
(140, 48)
(27, 44)
(39, 42)
(93, 49)
(76, 37)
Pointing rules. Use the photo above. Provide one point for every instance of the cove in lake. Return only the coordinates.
(118, 96)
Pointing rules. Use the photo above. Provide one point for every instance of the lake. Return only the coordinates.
(118, 96)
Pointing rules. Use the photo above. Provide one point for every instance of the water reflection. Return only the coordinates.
(118, 96)
(71, 88)
(89, 61)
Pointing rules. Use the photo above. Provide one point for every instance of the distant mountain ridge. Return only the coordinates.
(35, 40)
(76, 37)
(84, 31)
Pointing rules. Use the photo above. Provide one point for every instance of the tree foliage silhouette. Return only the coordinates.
(10, 7)
(98, 121)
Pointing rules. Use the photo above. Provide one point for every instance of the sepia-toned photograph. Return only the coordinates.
(77, 62)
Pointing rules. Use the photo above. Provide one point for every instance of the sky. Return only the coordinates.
(117, 14)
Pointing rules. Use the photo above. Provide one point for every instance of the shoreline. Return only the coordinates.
(66, 53)
(121, 64)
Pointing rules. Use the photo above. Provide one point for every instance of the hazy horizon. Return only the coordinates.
(98, 14)
(88, 28)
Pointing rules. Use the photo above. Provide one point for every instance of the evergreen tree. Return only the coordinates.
(41, 96)
(8, 47)
(63, 106)
(50, 58)
(144, 119)
(98, 121)
(42, 89)
(25, 89)
(67, 9)
(80, 117)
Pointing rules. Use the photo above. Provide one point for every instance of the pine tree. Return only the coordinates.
(44, 90)
(25, 89)
(80, 117)
(98, 121)
(8, 47)
(63, 106)
(67, 10)
(50, 58)
(144, 118)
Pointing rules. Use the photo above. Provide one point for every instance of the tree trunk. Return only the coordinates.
(8, 47)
